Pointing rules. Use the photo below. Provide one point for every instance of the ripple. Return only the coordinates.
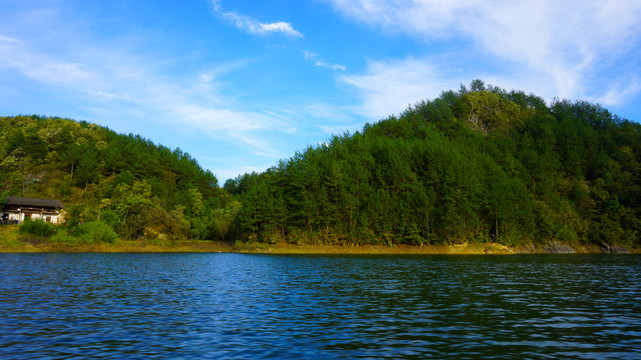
(236, 306)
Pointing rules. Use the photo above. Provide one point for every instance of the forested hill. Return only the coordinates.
(136, 187)
(470, 165)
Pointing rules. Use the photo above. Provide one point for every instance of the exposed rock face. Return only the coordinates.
(557, 248)
(614, 249)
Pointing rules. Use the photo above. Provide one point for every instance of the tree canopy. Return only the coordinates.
(472, 165)
(135, 186)
(468, 166)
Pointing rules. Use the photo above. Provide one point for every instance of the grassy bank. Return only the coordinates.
(11, 241)
(209, 246)
(489, 248)
(457, 249)
(123, 246)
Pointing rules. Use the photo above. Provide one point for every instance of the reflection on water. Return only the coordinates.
(259, 306)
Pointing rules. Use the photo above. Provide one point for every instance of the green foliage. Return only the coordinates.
(37, 227)
(94, 232)
(138, 188)
(97, 232)
(460, 168)
(487, 112)
(62, 237)
(464, 167)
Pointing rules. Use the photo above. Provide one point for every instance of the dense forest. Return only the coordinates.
(472, 165)
(137, 188)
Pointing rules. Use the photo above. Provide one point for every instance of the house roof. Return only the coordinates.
(23, 201)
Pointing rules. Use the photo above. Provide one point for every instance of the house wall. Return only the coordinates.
(20, 217)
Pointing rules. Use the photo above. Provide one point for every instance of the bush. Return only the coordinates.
(37, 227)
(97, 232)
(62, 237)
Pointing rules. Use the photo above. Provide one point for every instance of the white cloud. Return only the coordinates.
(253, 26)
(131, 87)
(38, 66)
(313, 57)
(8, 39)
(563, 42)
(620, 92)
(283, 27)
(389, 87)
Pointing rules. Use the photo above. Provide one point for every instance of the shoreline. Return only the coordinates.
(203, 246)
(12, 242)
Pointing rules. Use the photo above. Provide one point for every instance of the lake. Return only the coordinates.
(243, 306)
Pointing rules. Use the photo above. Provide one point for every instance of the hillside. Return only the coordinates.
(475, 165)
(472, 165)
(138, 188)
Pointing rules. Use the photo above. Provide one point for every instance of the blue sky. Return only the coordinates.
(242, 84)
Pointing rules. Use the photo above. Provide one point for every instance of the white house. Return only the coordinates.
(17, 209)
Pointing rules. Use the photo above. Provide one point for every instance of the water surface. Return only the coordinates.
(237, 306)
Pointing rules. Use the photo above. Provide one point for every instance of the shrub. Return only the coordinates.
(62, 237)
(37, 227)
(97, 232)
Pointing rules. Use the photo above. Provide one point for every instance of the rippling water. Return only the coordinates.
(142, 306)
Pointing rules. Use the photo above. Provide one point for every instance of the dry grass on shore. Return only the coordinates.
(488, 248)
(10, 242)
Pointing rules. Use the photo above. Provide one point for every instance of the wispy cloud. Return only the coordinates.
(16, 55)
(8, 39)
(131, 85)
(388, 87)
(254, 26)
(313, 57)
(620, 92)
(562, 42)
